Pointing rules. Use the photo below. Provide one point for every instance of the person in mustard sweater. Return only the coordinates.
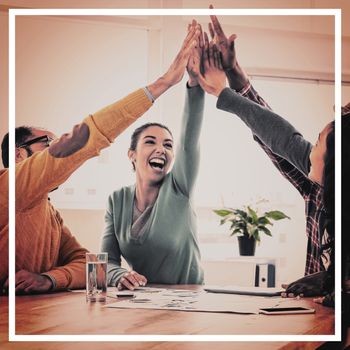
(48, 257)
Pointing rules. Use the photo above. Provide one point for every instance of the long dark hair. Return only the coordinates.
(329, 197)
(345, 201)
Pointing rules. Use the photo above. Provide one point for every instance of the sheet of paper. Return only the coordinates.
(200, 301)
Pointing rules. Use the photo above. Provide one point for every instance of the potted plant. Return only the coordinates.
(248, 225)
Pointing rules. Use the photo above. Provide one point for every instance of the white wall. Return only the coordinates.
(68, 68)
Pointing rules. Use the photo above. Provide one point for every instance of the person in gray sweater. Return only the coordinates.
(302, 163)
(152, 223)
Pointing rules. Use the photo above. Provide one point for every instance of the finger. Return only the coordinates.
(190, 41)
(202, 82)
(125, 283)
(216, 56)
(131, 279)
(319, 300)
(284, 285)
(200, 37)
(206, 50)
(211, 54)
(217, 26)
(21, 286)
(232, 38)
(291, 287)
(190, 35)
(30, 288)
(220, 61)
(142, 280)
(211, 31)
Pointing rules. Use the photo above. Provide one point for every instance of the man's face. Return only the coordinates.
(36, 143)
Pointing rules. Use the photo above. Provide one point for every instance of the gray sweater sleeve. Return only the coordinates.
(187, 155)
(274, 131)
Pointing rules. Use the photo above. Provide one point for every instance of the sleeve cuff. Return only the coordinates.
(52, 279)
(148, 94)
(244, 91)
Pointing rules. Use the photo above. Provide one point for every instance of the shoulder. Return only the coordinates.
(121, 195)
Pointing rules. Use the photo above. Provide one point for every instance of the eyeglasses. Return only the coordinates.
(44, 139)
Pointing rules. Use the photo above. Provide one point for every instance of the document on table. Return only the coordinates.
(200, 301)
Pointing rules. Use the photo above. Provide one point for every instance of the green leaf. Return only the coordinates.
(263, 220)
(241, 213)
(222, 212)
(253, 215)
(265, 230)
(256, 235)
(237, 230)
(276, 215)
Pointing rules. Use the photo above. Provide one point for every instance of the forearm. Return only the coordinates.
(192, 119)
(110, 245)
(187, 156)
(237, 77)
(46, 170)
(70, 269)
(114, 273)
(70, 276)
(274, 131)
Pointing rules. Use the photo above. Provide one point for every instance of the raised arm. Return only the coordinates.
(274, 131)
(44, 171)
(186, 165)
(271, 129)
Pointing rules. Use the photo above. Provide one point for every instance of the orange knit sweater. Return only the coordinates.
(43, 243)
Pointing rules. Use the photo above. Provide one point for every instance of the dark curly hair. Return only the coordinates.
(22, 134)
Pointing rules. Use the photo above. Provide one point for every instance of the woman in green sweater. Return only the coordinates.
(152, 223)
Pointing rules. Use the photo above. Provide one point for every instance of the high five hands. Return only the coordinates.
(210, 62)
(208, 70)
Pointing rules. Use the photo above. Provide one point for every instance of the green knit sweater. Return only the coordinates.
(168, 250)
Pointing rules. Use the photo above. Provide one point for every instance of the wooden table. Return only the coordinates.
(68, 313)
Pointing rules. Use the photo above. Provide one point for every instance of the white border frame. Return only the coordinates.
(171, 12)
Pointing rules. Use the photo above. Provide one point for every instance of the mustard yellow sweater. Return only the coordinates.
(43, 243)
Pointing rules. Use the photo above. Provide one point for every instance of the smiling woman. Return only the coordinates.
(151, 224)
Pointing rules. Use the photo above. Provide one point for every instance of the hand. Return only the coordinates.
(195, 55)
(177, 68)
(328, 300)
(310, 285)
(213, 81)
(130, 280)
(235, 74)
(225, 45)
(28, 282)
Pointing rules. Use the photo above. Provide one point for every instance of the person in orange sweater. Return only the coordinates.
(48, 257)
